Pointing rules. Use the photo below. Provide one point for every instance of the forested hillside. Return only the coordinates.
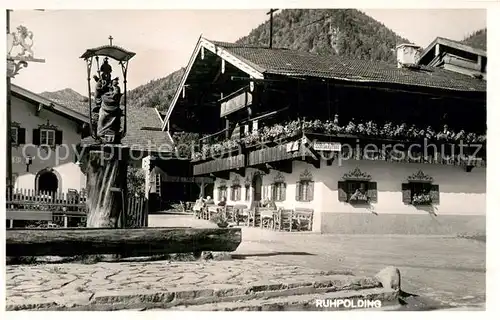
(476, 39)
(346, 32)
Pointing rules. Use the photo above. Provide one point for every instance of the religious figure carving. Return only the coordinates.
(107, 100)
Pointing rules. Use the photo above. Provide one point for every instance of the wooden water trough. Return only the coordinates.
(125, 242)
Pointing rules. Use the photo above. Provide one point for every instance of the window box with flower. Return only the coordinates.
(420, 191)
(357, 188)
(367, 129)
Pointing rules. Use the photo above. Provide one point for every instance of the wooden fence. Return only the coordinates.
(52, 208)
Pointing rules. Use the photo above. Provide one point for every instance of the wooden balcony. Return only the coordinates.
(292, 150)
(217, 165)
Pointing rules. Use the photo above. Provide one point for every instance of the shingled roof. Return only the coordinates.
(143, 127)
(278, 61)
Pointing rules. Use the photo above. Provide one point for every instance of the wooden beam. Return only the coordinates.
(285, 166)
(125, 242)
(261, 167)
(240, 171)
(221, 175)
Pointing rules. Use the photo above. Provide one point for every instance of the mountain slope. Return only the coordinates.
(156, 93)
(349, 33)
(346, 32)
(476, 39)
(64, 95)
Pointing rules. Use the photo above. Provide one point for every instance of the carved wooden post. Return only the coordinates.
(107, 187)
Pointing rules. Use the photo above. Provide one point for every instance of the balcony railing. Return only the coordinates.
(270, 143)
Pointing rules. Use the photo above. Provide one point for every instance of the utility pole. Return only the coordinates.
(9, 184)
(270, 13)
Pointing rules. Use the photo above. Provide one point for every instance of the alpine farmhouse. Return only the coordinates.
(369, 147)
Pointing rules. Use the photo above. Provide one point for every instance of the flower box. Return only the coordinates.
(421, 200)
(358, 198)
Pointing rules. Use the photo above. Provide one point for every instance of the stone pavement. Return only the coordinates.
(79, 284)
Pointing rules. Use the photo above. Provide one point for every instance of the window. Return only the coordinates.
(304, 191)
(419, 190)
(18, 134)
(278, 188)
(235, 193)
(222, 192)
(47, 137)
(357, 191)
(235, 189)
(420, 193)
(356, 187)
(278, 191)
(247, 193)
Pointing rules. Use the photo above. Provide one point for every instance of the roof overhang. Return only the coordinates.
(224, 54)
(49, 104)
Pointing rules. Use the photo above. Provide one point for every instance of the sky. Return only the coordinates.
(163, 40)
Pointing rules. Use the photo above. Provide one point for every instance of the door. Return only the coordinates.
(257, 187)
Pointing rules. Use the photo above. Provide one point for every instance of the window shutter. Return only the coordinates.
(36, 137)
(273, 192)
(341, 189)
(310, 191)
(405, 188)
(372, 191)
(297, 191)
(21, 136)
(434, 193)
(283, 192)
(59, 137)
(158, 184)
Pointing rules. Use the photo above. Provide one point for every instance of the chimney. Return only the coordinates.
(408, 54)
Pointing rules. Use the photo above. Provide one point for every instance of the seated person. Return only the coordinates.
(209, 201)
(268, 203)
(222, 202)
